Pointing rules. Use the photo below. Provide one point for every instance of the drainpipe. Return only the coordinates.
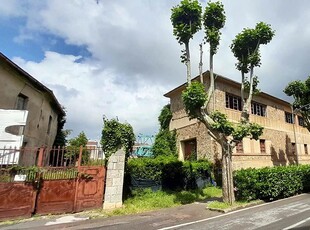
(295, 136)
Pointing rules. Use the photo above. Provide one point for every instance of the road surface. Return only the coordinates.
(290, 213)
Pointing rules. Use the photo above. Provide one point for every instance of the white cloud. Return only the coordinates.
(89, 93)
(135, 58)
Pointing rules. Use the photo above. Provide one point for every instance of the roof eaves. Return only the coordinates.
(38, 84)
(225, 79)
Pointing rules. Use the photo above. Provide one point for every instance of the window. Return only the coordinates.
(233, 102)
(301, 121)
(258, 109)
(21, 102)
(239, 147)
(293, 148)
(262, 144)
(306, 149)
(49, 124)
(289, 118)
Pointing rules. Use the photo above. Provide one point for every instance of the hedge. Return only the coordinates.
(168, 171)
(271, 182)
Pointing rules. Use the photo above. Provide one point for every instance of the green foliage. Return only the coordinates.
(116, 135)
(252, 130)
(221, 123)
(272, 182)
(146, 168)
(241, 130)
(213, 20)
(61, 136)
(255, 130)
(247, 183)
(168, 171)
(186, 20)
(59, 174)
(143, 200)
(218, 205)
(238, 131)
(74, 145)
(127, 137)
(173, 176)
(246, 45)
(301, 94)
(80, 140)
(194, 97)
(8, 174)
(177, 175)
(165, 117)
(165, 143)
(247, 84)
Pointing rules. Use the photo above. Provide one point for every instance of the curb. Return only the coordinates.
(226, 210)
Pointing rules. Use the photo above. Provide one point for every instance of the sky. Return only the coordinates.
(116, 59)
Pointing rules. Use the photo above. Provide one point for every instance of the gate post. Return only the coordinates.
(113, 196)
(40, 157)
(80, 156)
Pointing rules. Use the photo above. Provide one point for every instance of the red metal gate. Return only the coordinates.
(52, 190)
(83, 192)
(90, 190)
(16, 200)
(56, 196)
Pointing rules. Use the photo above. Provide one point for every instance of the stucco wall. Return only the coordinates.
(278, 134)
(39, 108)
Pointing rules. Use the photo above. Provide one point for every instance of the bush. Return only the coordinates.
(271, 182)
(168, 171)
(165, 143)
(173, 175)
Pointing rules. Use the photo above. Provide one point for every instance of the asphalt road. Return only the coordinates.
(290, 213)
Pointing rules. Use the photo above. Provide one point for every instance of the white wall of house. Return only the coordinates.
(11, 134)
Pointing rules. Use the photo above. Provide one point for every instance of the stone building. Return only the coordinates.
(20, 91)
(283, 142)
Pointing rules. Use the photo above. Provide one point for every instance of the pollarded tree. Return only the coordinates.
(213, 20)
(196, 99)
(186, 21)
(301, 94)
(245, 47)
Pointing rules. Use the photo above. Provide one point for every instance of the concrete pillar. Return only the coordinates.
(113, 197)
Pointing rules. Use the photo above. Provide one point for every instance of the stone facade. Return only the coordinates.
(282, 143)
(21, 91)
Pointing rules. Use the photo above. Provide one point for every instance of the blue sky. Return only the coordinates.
(118, 58)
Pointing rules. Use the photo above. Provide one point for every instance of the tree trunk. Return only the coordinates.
(245, 115)
(242, 89)
(188, 64)
(200, 63)
(227, 175)
(211, 88)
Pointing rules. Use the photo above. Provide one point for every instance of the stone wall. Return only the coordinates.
(278, 134)
(113, 197)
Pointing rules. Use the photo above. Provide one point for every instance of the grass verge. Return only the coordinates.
(225, 207)
(147, 200)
